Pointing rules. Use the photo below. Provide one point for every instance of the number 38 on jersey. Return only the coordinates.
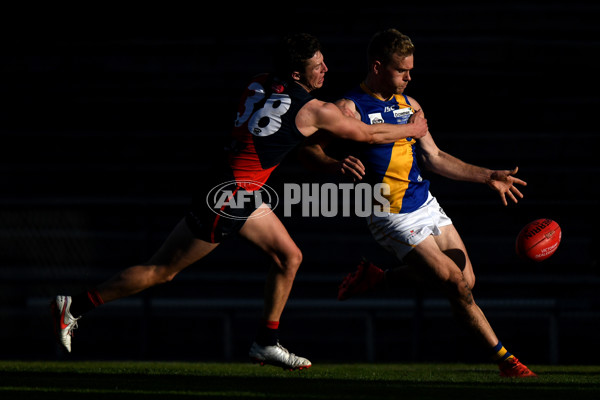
(263, 115)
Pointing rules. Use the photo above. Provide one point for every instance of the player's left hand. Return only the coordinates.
(503, 181)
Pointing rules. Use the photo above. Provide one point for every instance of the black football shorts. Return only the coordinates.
(221, 210)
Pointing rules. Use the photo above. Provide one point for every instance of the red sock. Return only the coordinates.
(272, 324)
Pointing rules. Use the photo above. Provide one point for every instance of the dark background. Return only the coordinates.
(110, 117)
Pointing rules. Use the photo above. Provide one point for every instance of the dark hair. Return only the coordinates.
(293, 52)
(384, 44)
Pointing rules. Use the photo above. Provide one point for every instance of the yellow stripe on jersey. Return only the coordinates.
(397, 173)
(398, 170)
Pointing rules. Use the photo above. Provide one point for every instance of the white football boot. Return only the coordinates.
(64, 322)
(278, 356)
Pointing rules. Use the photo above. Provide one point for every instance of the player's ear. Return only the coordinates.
(376, 66)
(296, 75)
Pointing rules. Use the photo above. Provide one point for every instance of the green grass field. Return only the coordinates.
(174, 380)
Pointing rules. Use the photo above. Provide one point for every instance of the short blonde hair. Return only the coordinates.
(384, 44)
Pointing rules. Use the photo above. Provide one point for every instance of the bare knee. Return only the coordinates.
(458, 289)
(293, 260)
(289, 263)
(459, 257)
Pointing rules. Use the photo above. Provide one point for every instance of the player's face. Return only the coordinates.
(396, 73)
(314, 73)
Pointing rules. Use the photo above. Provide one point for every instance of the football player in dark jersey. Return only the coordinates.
(276, 113)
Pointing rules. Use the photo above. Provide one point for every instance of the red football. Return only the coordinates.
(539, 239)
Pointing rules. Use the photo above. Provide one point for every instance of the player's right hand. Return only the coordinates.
(353, 167)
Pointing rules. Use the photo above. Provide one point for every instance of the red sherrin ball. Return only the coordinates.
(539, 239)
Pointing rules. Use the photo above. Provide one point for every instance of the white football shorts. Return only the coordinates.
(400, 233)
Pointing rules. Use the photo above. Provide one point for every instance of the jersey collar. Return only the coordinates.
(364, 87)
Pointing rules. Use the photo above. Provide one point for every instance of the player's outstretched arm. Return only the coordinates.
(327, 116)
(444, 164)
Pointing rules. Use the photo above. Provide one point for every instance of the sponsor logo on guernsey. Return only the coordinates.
(402, 115)
(376, 118)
